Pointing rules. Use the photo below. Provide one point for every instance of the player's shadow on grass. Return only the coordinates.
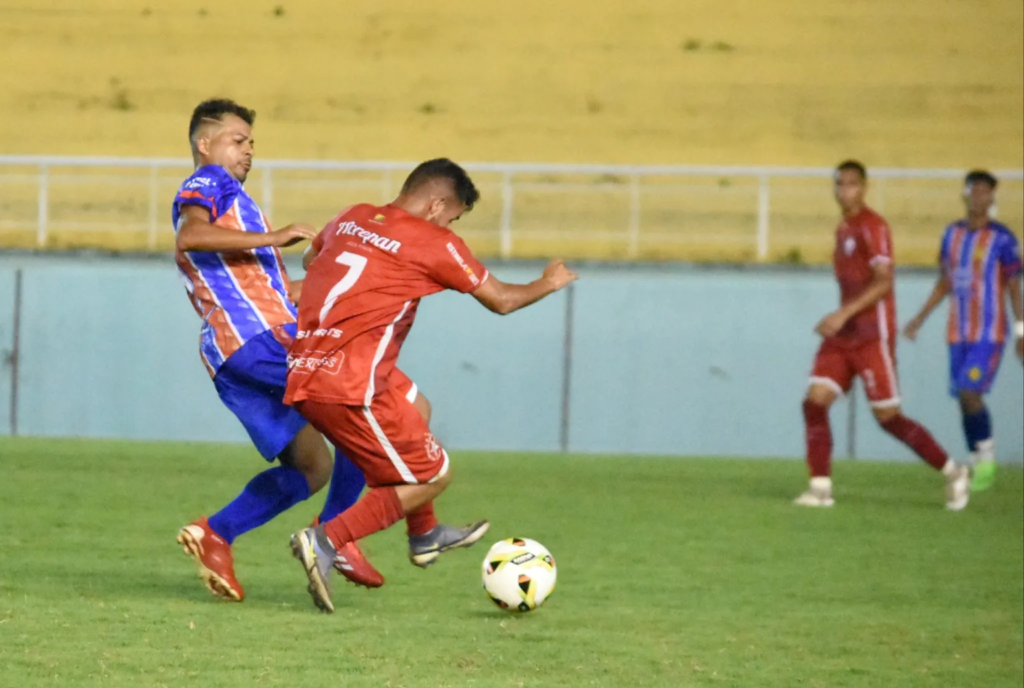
(120, 583)
(184, 587)
(784, 494)
(499, 616)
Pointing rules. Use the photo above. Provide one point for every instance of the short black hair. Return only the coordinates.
(215, 109)
(443, 168)
(853, 166)
(975, 176)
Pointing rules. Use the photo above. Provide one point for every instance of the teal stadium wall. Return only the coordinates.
(674, 360)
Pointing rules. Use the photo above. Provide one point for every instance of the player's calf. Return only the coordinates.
(914, 435)
(819, 446)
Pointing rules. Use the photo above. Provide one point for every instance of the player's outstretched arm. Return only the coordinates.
(197, 233)
(939, 292)
(503, 298)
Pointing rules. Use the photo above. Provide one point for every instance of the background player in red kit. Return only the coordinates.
(360, 296)
(860, 340)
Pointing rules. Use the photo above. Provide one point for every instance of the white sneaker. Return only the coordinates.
(958, 486)
(819, 494)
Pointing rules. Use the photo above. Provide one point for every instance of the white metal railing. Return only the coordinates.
(634, 185)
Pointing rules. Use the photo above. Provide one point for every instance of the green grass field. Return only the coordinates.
(690, 572)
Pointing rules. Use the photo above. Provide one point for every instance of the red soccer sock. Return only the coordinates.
(421, 521)
(913, 434)
(819, 440)
(380, 508)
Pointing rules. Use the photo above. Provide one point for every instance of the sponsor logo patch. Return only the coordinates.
(199, 182)
(332, 332)
(317, 361)
(462, 263)
(368, 237)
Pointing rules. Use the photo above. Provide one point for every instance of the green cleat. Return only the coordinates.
(984, 476)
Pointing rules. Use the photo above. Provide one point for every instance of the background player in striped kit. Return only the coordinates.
(980, 266)
(229, 260)
(859, 340)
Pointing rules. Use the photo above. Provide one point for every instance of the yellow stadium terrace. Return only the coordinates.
(748, 92)
(597, 212)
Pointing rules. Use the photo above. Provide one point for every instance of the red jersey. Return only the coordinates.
(359, 300)
(862, 242)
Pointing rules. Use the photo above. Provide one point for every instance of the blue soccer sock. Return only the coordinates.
(347, 483)
(268, 494)
(977, 428)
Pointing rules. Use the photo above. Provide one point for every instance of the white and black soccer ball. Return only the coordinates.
(519, 574)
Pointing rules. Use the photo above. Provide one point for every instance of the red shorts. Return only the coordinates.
(388, 440)
(837, 363)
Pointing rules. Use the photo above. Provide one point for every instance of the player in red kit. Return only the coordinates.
(373, 264)
(860, 340)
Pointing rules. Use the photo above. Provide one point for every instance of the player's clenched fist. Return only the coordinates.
(559, 275)
(912, 328)
(292, 234)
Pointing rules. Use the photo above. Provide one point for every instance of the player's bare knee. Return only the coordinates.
(442, 482)
(316, 471)
(820, 395)
(971, 403)
(885, 414)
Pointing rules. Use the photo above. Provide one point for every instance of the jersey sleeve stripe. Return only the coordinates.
(208, 202)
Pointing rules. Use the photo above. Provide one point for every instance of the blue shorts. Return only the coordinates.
(973, 367)
(251, 383)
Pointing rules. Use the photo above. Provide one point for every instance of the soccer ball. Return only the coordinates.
(519, 574)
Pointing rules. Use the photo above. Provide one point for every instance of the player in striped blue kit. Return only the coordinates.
(229, 259)
(980, 270)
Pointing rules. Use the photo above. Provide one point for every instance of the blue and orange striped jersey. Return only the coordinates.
(238, 294)
(978, 264)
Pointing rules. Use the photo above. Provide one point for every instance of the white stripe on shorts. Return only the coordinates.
(389, 448)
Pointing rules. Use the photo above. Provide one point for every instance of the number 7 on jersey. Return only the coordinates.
(356, 264)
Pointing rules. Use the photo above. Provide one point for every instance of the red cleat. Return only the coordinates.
(213, 557)
(350, 562)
